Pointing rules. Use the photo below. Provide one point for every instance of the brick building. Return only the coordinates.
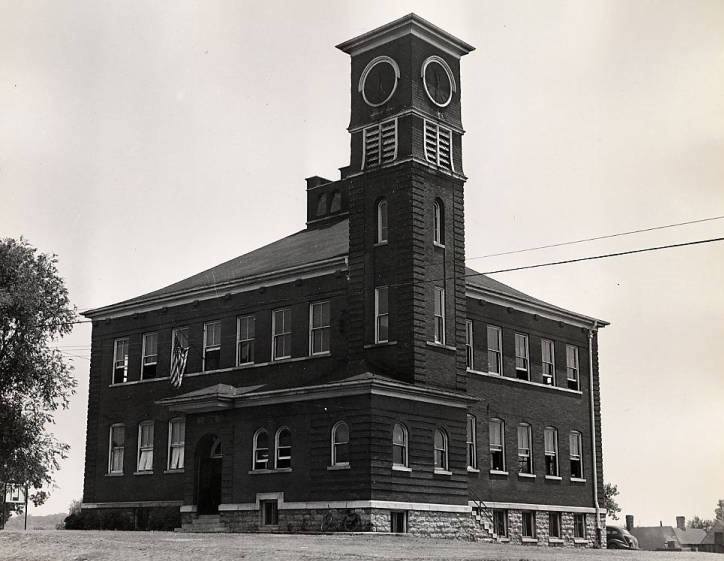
(356, 374)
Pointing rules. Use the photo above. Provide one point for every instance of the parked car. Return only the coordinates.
(620, 538)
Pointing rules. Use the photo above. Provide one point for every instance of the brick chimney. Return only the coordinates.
(681, 522)
(629, 522)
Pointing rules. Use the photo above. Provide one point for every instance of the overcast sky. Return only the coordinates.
(143, 142)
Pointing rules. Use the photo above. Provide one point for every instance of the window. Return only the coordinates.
(212, 345)
(120, 361)
(469, 344)
(549, 362)
(497, 445)
(525, 458)
(149, 356)
(283, 445)
(550, 436)
(440, 445)
(281, 334)
(500, 522)
(576, 455)
(321, 205)
(399, 445)
(261, 450)
(382, 231)
(381, 315)
(398, 521)
(176, 437)
(245, 333)
(579, 526)
(572, 366)
(319, 322)
(269, 513)
(528, 524)
(471, 442)
(116, 446)
(521, 356)
(379, 144)
(336, 204)
(217, 450)
(438, 223)
(439, 311)
(495, 346)
(554, 525)
(438, 145)
(340, 444)
(145, 446)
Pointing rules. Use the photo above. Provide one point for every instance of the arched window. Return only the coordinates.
(550, 439)
(216, 449)
(440, 444)
(283, 445)
(336, 204)
(321, 205)
(438, 223)
(382, 221)
(525, 451)
(261, 450)
(340, 444)
(496, 429)
(576, 454)
(399, 446)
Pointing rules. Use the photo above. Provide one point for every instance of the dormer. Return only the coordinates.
(326, 200)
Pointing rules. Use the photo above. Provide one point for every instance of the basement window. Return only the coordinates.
(579, 526)
(500, 523)
(398, 522)
(269, 513)
(528, 524)
(554, 525)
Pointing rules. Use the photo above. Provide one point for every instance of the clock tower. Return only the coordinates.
(406, 217)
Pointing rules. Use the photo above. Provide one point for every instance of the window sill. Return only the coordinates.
(147, 472)
(554, 477)
(263, 471)
(499, 376)
(438, 244)
(337, 467)
(578, 480)
(503, 540)
(380, 344)
(527, 475)
(440, 346)
(114, 475)
(439, 471)
(318, 355)
(401, 468)
(274, 359)
(580, 540)
(471, 469)
(525, 539)
(173, 470)
(555, 540)
(498, 472)
(381, 244)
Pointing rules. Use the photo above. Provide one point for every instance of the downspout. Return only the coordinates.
(593, 433)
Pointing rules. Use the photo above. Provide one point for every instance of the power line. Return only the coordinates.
(608, 236)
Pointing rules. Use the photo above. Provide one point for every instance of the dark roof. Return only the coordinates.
(296, 251)
(654, 537)
(690, 536)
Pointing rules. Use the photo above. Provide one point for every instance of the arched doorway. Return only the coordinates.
(207, 492)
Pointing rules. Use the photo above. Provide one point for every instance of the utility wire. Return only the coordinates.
(608, 236)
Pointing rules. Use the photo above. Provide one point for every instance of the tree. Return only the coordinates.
(699, 523)
(35, 379)
(719, 510)
(610, 492)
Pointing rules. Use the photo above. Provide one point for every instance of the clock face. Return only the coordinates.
(380, 83)
(437, 83)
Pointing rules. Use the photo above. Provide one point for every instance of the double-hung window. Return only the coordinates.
(554, 525)
(261, 450)
(382, 230)
(212, 345)
(319, 328)
(440, 444)
(382, 314)
(116, 446)
(281, 334)
(522, 364)
(438, 223)
(575, 455)
(469, 364)
(120, 361)
(471, 442)
(283, 446)
(399, 446)
(340, 444)
(439, 313)
(495, 347)
(438, 145)
(145, 447)
(525, 456)
(496, 429)
(550, 437)
(572, 366)
(549, 361)
(245, 333)
(176, 442)
(579, 526)
(149, 354)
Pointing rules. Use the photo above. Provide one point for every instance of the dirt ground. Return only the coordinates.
(67, 545)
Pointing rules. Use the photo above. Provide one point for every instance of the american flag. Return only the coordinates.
(178, 361)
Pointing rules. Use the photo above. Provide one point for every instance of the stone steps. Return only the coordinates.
(204, 523)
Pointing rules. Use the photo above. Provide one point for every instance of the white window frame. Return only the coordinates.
(327, 327)
(526, 358)
(403, 445)
(207, 347)
(469, 351)
(497, 353)
(256, 449)
(111, 449)
(548, 378)
(441, 453)
(144, 363)
(551, 453)
(471, 441)
(125, 342)
(249, 318)
(141, 449)
(288, 333)
(379, 315)
(438, 223)
(500, 423)
(439, 315)
(383, 225)
(334, 443)
(572, 367)
(278, 449)
(523, 452)
(576, 457)
(176, 445)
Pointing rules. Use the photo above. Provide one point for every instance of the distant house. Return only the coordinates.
(713, 542)
(657, 538)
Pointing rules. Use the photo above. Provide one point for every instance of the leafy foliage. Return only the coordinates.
(610, 492)
(35, 379)
(719, 510)
(699, 523)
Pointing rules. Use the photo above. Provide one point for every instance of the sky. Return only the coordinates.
(143, 142)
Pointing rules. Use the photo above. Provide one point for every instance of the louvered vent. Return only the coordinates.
(380, 144)
(438, 145)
